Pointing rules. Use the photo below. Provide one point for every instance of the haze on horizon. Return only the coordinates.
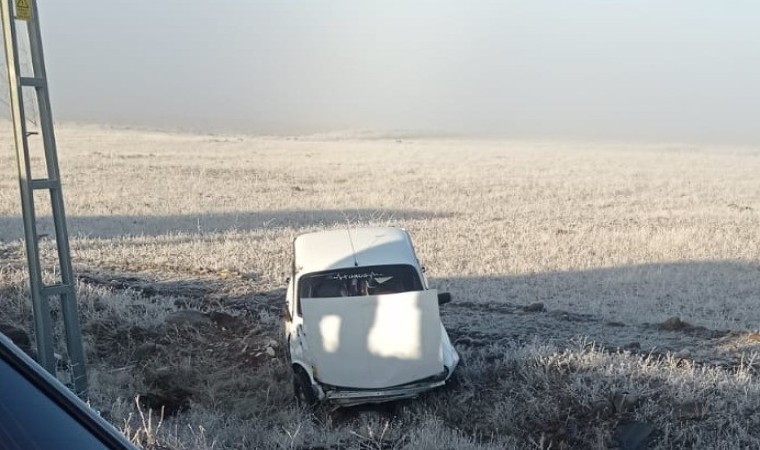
(646, 70)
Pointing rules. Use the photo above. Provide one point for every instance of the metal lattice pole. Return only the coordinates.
(65, 289)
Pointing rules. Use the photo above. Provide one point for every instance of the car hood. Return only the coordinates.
(375, 341)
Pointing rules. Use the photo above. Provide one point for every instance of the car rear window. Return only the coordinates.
(360, 281)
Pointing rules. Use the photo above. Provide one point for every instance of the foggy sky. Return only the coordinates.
(633, 69)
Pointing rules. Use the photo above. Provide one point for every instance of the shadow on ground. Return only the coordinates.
(651, 308)
(11, 228)
(490, 320)
(716, 294)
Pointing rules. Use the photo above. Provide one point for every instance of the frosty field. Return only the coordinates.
(595, 285)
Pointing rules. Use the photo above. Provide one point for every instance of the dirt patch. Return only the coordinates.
(675, 324)
(151, 288)
(202, 357)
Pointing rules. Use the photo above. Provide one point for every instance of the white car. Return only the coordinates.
(362, 323)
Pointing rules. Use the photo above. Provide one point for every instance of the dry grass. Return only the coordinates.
(612, 239)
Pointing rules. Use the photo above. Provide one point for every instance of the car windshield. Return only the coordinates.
(359, 281)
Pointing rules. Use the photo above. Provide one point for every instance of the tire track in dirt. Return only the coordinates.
(473, 324)
(476, 324)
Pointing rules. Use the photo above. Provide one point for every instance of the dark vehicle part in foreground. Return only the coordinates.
(37, 412)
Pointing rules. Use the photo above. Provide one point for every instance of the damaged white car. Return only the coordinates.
(362, 324)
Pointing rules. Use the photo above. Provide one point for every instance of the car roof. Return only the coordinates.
(352, 247)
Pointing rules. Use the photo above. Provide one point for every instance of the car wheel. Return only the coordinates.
(303, 389)
(455, 382)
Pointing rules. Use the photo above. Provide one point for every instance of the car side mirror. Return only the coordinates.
(286, 315)
(444, 297)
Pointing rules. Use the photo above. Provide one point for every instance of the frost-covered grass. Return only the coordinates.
(625, 234)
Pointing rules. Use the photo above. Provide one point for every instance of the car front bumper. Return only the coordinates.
(348, 397)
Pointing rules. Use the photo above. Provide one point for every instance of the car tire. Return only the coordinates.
(455, 382)
(303, 389)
